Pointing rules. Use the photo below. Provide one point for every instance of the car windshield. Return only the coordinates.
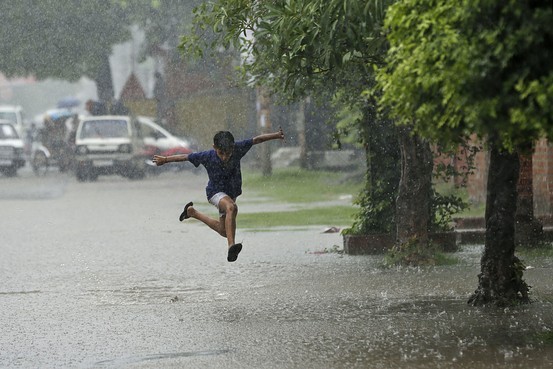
(7, 115)
(104, 129)
(7, 132)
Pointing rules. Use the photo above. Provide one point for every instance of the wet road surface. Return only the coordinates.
(102, 275)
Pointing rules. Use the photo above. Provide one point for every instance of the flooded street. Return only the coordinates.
(102, 275)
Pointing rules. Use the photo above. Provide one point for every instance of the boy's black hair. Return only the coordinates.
(223, 140)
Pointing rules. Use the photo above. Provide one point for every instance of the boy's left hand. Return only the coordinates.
(280, 133)
(159, 160)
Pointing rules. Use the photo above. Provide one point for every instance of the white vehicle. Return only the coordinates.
(109, 144)
(15, 115)
(12, 155)
(155, 136)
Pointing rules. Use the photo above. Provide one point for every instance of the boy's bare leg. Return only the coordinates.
(218, 225)
(231, 211)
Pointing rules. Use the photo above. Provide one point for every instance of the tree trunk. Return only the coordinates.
(500, 280)
(377, 200)
(300, 125)
(528, 230)
(413, 201)
(104, 81)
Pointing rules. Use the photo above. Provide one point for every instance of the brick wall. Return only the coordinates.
(543, 178)
(542, 167)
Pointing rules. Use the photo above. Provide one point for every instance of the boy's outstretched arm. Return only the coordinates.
(160, 160)
(279, 135)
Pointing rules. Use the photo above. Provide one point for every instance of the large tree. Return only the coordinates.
(477, 66)
(62, 39)
(307, 47)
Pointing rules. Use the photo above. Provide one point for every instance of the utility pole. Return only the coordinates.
(264, 124)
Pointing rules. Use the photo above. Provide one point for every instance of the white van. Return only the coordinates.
(11, 149)
(109, 144)
(15, 115)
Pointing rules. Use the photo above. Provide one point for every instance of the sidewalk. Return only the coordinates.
(472, 230)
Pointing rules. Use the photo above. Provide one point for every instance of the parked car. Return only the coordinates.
(109, 144)
(16, 116)
(12, 155)
(158, 140)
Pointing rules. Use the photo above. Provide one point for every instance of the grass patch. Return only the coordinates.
(295, 185)
(544, 251)
(334, 216)
(545, 337)
(446, 259)
(474, 210)
(298, 185)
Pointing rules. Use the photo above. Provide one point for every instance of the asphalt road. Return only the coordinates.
(96, 275)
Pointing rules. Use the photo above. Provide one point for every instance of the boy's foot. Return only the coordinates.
(233, 252)
(184, 214)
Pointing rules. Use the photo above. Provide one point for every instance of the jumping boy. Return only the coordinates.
(225, 181)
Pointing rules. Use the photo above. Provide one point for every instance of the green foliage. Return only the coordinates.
(444, 207)
(458, 71)
(347, 126)
(294, 46)
(375, 214)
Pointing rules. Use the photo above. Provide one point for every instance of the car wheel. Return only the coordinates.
(81, 174)
(10, 171)
(85, 174)
(137, 174)
(137, 171)
(40, 164)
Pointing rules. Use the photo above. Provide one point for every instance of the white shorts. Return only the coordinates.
(215, 199)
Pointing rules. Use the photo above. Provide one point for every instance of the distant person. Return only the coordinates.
(30, 138)
(225, 182)
(96, 107)
(89, 106)
(118, 108)
(71, 125)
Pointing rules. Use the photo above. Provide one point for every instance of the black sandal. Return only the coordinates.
(233, 252)
(184, 214)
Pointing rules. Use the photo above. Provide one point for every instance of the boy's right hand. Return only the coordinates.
(159, 160)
